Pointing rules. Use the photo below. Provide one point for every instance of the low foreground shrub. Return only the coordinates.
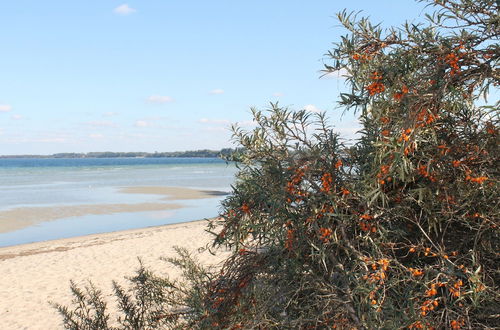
(398, 230)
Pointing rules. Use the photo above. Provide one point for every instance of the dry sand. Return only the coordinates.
(34, 274)
(23, 217)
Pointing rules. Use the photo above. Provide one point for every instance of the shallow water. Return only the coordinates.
(51, 182)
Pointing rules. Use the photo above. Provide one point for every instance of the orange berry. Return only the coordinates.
(245, 208)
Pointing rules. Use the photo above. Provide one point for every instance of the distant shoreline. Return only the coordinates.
(205, 153)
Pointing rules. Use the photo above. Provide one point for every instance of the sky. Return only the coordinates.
(165, 75)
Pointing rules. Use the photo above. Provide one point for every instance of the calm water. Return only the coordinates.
(49, 182)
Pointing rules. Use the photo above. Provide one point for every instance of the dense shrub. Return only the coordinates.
(400, 229)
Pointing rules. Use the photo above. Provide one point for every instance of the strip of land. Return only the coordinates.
(172, 193)
(34, 274)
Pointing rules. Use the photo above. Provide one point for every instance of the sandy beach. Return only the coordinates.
(34, 274)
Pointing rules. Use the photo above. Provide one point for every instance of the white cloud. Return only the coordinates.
(278, 94)
(110, 114)
(217, 91)
(214, 121)
(338, 74)
(348, 130)
(16, 117)
(5, 107)
(124, 10)
(247, 123)
(159, 99)
(141, 123)
(96, 136)
(312, 108)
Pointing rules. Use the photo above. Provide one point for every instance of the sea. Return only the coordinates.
(46, 182)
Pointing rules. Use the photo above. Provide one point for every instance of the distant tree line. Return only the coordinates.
(204, 153)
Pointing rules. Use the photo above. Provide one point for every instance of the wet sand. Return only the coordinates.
(173, 193)
(23, 217)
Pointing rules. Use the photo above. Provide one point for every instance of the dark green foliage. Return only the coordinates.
(89, 312)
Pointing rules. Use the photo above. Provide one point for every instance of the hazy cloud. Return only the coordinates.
(215, 125)
(51, 140)
(101, 123)
(312, 108)
(124, 10)
(217, 91)
(159, 99)
(278, 94)
(110, 114)
(133, 136)
(214, 121)
(155, 118)
(96, 136)
(215, 129)
(16, 117)
(224, 123)
(5, 107)
(141, 123)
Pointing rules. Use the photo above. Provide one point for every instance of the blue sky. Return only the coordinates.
(164, 75)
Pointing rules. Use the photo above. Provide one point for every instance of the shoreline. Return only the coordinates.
(38, 247)
(35, 273)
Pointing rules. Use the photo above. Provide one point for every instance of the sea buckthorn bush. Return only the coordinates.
(401, 228)
(397, 230)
